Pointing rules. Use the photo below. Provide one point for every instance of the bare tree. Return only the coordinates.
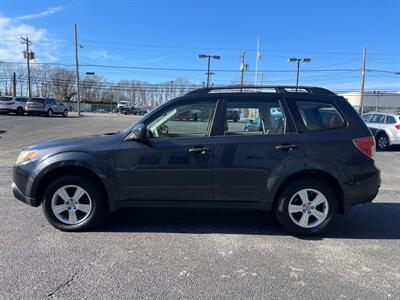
(62, 83)
(91, 88)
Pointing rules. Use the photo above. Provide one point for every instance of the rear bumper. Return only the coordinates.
(3, 109)
(363, 188)
(395, 140)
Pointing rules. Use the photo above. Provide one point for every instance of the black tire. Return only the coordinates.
(382, 142)
(94, 216)
(282, 211)
(49, 113)
(65, 113)
(20, 111)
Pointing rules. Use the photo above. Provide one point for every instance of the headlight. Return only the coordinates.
(26, 155)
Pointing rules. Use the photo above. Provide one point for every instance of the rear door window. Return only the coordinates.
(254, 118)
(320, 116)
(366, 118)
(378, 118)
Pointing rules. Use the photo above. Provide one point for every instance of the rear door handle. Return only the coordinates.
(286, 147)
(199, 149)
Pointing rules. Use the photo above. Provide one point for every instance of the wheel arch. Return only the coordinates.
(69, 170)
(329, 179)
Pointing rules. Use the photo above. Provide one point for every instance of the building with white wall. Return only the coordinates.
(374, 100)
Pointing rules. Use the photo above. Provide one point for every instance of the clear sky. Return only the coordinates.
(171, 33)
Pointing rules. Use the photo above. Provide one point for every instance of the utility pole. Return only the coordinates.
(258, 57)
(78, 95)
(362, 81)
(243, 66)
(14, 84)
(28, 55)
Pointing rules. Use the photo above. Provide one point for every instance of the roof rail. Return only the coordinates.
(280, 89)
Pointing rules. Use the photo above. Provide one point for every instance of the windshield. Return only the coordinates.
(5, 98)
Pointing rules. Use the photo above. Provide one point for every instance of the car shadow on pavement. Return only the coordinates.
(366, 221)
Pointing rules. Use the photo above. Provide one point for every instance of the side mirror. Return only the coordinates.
(138, 133)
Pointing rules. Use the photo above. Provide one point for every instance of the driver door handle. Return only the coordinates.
(199, 149)
(286, 147)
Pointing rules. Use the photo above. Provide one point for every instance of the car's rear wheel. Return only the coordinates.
(20, 111)
(50, 113)
(382, 141)
(65, 113)
(306, 207)
(72, 203)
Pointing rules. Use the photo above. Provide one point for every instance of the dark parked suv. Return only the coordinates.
(315, 162)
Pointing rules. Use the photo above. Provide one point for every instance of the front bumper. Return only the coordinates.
(21, 197)
(22, 184)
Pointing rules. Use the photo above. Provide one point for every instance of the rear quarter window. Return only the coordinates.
(320, 116)
(390, 120)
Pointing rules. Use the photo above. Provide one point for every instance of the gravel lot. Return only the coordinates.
(159, 253)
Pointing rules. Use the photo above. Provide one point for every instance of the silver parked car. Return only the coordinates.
(46, 106)
(12, 104)
(385, 127)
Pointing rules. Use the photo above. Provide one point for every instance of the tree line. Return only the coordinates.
(60, 83)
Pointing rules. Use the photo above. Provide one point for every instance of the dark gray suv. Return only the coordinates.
(307, 163)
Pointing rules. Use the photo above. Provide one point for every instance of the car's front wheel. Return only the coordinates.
(72, 203)
(65, 113)
(307, 207)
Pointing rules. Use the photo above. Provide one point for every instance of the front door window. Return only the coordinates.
(184, 121)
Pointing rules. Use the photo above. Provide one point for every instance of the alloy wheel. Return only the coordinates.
(383, 142)
(71, 204)
(308, 208)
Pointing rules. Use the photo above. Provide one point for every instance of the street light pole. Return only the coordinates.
(298, 60)
(208, 71)
(78, 95)
(209, 57)
(298, 73)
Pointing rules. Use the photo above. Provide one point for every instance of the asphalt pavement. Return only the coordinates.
(189, 253)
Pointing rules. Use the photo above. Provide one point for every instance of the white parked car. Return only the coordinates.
(385, 127)
(12, 104)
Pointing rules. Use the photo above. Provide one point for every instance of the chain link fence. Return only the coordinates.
(92, 107)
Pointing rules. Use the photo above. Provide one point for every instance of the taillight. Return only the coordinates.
(397, 126)
(10, 103)
(366, 145)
